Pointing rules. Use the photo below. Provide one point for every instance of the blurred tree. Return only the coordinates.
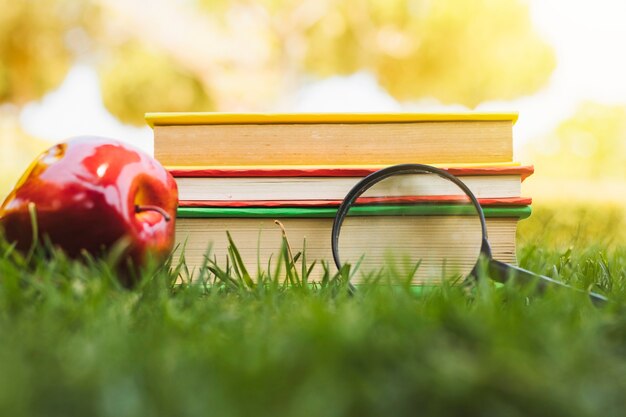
(243, 54)
(462, 52)
(458, 52)
(136, 80)
(34, 57)
(250, 53)
(589, 145)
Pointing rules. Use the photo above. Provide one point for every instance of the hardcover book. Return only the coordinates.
(201, 232)
(219, 139)
(241, 186)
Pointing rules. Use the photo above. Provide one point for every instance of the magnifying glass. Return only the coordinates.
(420, 225)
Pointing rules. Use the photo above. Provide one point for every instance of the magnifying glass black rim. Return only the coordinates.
(384, 173)
(498, 270)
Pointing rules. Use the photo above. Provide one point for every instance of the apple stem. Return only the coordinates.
(139, 209)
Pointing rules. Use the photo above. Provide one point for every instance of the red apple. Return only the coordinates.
(88, 194)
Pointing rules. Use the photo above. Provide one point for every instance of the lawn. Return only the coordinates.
(72, 342)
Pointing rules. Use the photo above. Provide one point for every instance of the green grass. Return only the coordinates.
(73, 342)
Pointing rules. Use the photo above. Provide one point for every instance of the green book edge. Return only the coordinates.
(520, 212)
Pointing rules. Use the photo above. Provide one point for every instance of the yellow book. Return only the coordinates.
(227, 139)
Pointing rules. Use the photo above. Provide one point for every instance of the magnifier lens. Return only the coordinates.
(415, 227)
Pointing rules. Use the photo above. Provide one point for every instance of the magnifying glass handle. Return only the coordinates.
(503, 272)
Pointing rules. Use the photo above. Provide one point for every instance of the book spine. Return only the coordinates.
(521, 212)
(502, 202)
(303, 171)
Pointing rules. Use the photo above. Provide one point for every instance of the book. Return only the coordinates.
(328, 186)
(485, 202)
(259, 239)
(223, 139)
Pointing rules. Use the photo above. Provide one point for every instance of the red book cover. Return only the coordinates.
(514, 201)
(339, 171)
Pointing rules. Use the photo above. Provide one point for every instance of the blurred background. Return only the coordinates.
(72, 67)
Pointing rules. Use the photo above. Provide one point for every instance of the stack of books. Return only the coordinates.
(241, 172)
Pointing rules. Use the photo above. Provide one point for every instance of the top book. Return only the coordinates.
(244, 139)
